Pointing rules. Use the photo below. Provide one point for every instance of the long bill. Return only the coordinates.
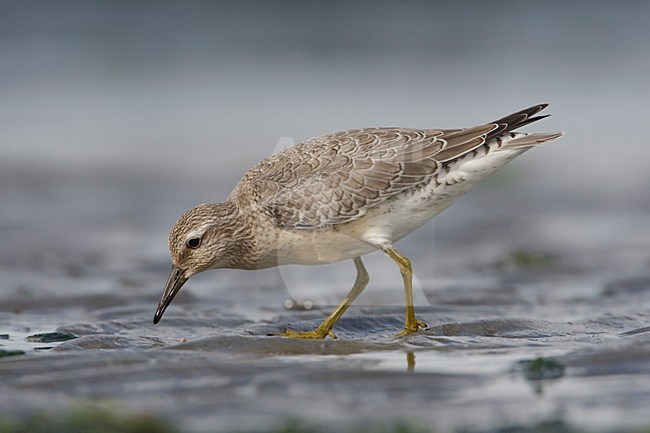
(176, 280)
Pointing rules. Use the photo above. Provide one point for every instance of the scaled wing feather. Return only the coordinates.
(338, 178)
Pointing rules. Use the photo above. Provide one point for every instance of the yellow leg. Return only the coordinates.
(325, 328)
(411, 324)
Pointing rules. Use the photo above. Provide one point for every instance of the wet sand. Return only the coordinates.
(534, 315)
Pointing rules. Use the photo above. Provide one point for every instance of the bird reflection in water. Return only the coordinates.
(410, 362)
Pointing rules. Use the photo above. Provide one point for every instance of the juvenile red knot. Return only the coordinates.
(341, 196)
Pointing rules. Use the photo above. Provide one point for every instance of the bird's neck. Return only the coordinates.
(237, 228)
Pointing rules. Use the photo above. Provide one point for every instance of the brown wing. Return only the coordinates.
(337, 178)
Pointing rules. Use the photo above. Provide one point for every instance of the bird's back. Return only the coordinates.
(341, 177)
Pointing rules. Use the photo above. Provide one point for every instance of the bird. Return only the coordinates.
(342, 196)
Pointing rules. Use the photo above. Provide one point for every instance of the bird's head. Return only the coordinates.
(201, 239)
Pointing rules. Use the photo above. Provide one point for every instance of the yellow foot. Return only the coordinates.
(316, 333)
(411, 328)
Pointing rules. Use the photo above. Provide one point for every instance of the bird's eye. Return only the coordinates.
(193, 243)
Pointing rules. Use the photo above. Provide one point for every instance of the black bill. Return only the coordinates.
(174, 283)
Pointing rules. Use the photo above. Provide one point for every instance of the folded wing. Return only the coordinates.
(338, 178)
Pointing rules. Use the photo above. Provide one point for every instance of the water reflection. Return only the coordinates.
(410, 362)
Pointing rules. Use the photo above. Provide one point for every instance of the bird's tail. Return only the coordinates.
(523, 140)
(520, 140)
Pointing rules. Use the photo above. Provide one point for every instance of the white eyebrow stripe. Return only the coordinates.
(198, 232)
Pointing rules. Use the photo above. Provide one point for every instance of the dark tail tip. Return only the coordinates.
(517, 120)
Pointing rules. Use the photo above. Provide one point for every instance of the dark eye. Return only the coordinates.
(193, 243)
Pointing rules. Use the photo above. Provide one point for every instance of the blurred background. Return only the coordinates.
(116, 117)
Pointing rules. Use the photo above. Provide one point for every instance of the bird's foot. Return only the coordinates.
(411, 328)
(316, 333)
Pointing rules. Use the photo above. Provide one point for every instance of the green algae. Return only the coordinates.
(105, 420)
(51, 337)
(541, 369)
(528, 260)
(4, 353)
(93, 420)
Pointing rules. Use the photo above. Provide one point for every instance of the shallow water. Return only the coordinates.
(491, 301)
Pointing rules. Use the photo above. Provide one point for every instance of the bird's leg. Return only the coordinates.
(411, 324)
(325, 328)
